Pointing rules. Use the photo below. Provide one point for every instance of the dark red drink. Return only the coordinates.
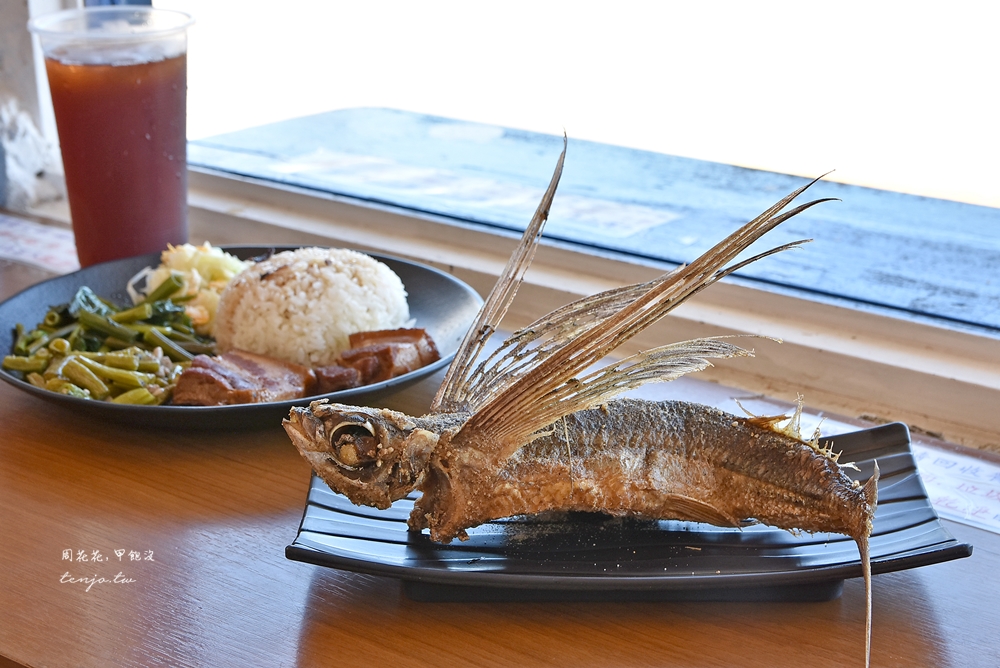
(123, 141)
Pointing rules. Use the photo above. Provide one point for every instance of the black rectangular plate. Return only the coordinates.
(584, 556)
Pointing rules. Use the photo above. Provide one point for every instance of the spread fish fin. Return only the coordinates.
(791, 428)
(521, 393)
(450, 396)
(688, 509)
(656, 365)
(527, 347)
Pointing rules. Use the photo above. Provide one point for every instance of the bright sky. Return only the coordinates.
(894, 95)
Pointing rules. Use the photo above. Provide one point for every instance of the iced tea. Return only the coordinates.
(118, 77)
(123, 141)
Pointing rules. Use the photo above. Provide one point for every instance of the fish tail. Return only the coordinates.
(870, 490)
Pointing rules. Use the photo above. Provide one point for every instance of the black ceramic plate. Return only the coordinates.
(439, 303)
(593, 557)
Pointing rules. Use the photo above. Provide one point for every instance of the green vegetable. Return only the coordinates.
(148, 365)
(85, 378)
(119, 376)
(140, 395)
(25, 364)
(20, 345)
(143, 327)
(140, 312)
(127, 359)
(172, 284)
(105, 326)
(26, 339)
(42, 338)
(55, 367)
(53, 318)
(114, 343)
(168, 311)
(85, 301)
(95, 349)
(155, 338)
(63, 386)
(193, 344)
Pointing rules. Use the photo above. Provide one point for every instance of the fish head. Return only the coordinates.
(373, 456)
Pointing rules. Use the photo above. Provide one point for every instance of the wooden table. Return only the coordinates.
(203, 519)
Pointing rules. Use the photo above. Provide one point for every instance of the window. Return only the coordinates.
(904, 255)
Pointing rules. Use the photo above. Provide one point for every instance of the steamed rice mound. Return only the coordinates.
(300, 306)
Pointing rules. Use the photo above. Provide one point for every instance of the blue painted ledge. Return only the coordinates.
(918, 257)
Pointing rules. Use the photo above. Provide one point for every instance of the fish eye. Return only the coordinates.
(355, 443)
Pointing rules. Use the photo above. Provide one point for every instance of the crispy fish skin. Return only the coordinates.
(660, 460)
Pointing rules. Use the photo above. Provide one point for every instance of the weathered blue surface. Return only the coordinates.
(925, 257)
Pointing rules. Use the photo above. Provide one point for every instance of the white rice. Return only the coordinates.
(300, 306)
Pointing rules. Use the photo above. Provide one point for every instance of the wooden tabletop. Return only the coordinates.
(202, 520)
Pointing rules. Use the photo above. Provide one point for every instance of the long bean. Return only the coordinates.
(139, 395)
(132, 358)
(114, 343)
(140, 312)
(118, 376)
(93, 348)
(105, 326)
(63, 386)
(20, 340)
(149, 365)
(25, 364)
(170, 349)
(41, 338)
(85, 378)
(60, 346)
(127, 359)
(55, 367)
(172, 284)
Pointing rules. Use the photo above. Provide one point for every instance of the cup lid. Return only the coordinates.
(119, 22)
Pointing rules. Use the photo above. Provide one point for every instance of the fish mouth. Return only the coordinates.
(304, 429)
(361, 453)
(349, 440)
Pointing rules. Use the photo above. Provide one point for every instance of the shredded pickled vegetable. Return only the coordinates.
(204, 272)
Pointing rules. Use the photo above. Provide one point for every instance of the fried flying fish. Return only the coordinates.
(532, 429)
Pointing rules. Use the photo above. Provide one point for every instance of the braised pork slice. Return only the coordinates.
(382, 361)
(239, 377)
(376, 356)
(419, 338)
(334, 378)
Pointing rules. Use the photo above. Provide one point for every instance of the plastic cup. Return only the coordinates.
(118, 77)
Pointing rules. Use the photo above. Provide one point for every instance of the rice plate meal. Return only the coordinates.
(297, 324)
(301, 306)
